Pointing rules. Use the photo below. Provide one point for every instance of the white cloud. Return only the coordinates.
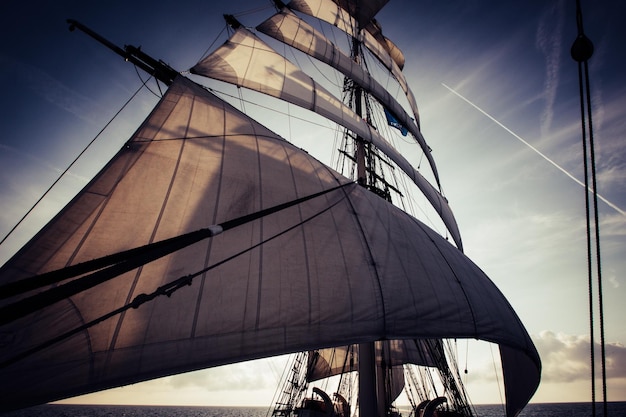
(566, 358)
(613, 280)
(52, 90)
(548, 41)
(243, 376)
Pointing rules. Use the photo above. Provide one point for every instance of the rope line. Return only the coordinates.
(19, 222)
(581, 52)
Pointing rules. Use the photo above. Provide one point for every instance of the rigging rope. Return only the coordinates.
(581, 52)
(495, 369)
(145, 83)
(72, 163)
(204, 54)
(243, 100)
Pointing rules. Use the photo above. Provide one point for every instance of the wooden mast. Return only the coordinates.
(368, 389)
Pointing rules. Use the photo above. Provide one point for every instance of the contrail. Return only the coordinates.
(518, 137)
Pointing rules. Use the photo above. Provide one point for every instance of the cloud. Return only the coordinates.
(566, 358)
(246, 376)
(548, 41)
(612, 278)
(51, 90)
(36, 160)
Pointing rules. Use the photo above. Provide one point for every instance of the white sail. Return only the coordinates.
(245, 60)
(286, 27)
(330, 12)
(195, 162)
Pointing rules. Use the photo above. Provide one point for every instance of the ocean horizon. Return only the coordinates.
(615, 408)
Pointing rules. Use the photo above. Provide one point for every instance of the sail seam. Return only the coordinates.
(154, 231)
(213, 221)
(373, 263)
(303, 234)
(454, 273)
(261, 228)
(341, 246)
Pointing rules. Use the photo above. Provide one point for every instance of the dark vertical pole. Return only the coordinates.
(368, 384)
(360, 143)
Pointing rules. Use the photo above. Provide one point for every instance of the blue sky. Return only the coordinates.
(512, 93)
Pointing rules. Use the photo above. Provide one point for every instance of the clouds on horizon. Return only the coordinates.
(243, 376)
(566, 358)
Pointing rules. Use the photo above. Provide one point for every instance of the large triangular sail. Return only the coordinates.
(197, 150)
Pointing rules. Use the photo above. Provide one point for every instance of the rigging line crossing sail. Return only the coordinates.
(245, 60)
(118, 264)
(286, 27)
(167, 289)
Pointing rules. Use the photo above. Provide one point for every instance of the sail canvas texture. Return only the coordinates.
(341, 268)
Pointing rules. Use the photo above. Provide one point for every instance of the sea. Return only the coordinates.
(615, 409)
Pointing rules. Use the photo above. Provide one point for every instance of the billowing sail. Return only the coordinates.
(342, 267)
(291, 30)
(247, 61)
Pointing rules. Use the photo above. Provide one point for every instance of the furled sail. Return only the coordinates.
(260, 289)
(245, 60)
(286, 27)
(392, 49)
(330, 12)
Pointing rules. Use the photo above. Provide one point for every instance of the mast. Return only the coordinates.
(360, 143)
(368, 390)
(368, 384)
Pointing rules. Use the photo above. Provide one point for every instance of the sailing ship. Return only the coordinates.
(208, 239)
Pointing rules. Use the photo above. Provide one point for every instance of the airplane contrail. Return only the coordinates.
(538, 152)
